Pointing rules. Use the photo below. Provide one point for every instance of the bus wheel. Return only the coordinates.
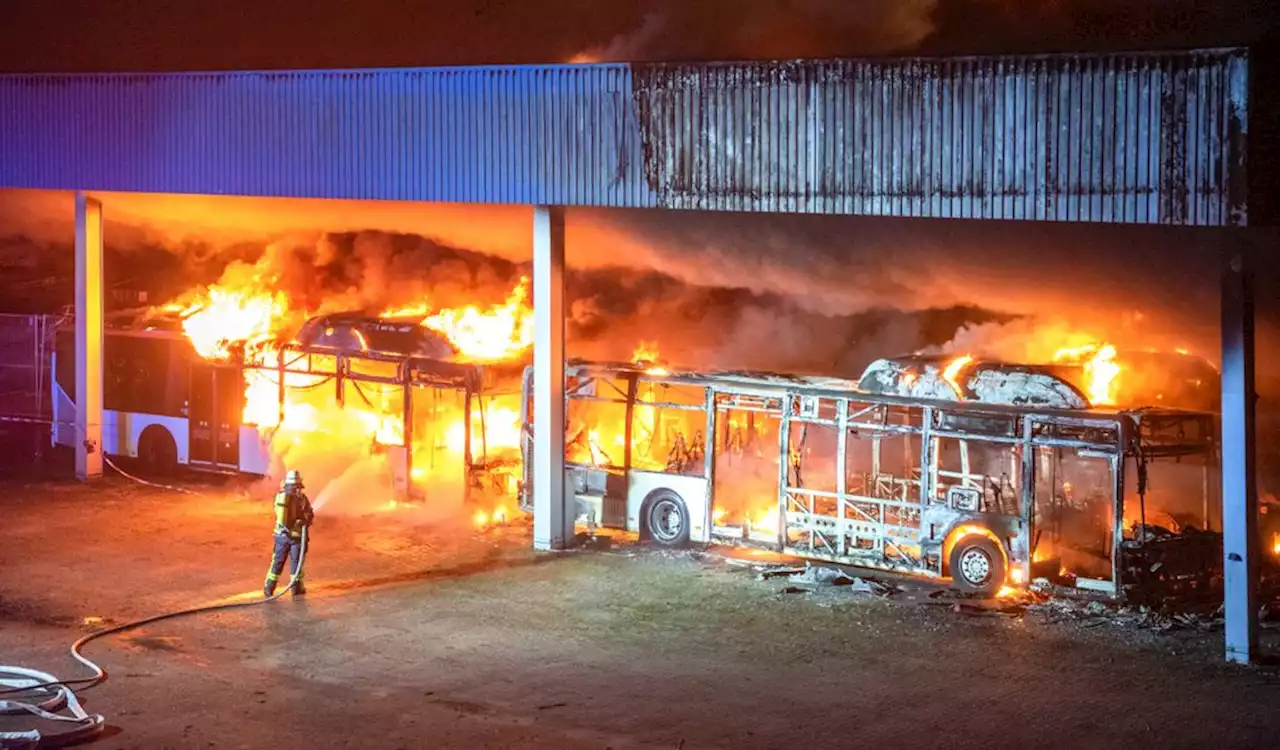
(977, 565)
(667, 520)
(157, 450)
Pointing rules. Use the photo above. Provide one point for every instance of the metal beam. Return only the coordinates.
(1239, 488)
(88, 337)
(553, 511)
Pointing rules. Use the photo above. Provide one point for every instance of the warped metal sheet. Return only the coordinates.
(1144, 138)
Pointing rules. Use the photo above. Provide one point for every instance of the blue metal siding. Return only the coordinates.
(499, 135)
(1124, 138)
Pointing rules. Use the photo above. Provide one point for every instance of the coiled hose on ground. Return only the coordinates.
(45, 696)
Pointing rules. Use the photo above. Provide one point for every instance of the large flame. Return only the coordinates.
(646, 355)
(1101, 370)
(503, 331)
(953, 371)
(226, 319)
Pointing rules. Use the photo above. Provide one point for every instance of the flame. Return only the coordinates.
(227, 318)
(646, 355)
(766, 519)
(501, 430)
(1100, 369)
(953, 371)
(504, 331)
(1275, 544)
(1005, 592)
(718, 515)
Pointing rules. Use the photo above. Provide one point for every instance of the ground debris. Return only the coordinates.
(1094, 613)
(765, 572)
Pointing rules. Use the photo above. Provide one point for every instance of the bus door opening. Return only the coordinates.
(744, 492)
(216, 407)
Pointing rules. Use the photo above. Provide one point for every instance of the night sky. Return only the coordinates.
(93, 35)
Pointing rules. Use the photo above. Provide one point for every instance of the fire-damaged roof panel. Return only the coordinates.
(1152, 138)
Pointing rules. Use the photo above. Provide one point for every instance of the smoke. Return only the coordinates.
(785, 29)
(768, 29)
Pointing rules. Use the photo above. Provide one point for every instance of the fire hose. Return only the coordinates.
(44, 695)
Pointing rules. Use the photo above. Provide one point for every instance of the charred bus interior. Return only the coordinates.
(988, 494)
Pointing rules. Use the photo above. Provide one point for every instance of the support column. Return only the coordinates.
(88, 338)
(553, 515)
(1239, 488)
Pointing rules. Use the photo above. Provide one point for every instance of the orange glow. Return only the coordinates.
(1275, 544)
(953, 371)
(501, 430)
(1005, 592)
(646, 355)
(766, 519)
(503, 331)
(481, 519)
(225, 318)
(1017, 577)
(1100, 369)
(717, 516)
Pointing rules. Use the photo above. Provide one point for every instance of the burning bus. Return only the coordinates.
(984, 473)
(218, 386)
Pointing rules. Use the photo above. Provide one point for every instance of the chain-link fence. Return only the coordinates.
(26, 342)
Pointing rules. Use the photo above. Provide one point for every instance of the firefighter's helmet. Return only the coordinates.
(293, 478)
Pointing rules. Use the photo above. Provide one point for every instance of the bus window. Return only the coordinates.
(667, 429)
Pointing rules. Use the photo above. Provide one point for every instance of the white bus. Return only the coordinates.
(167, 406)
(984, 494)
(162, 403)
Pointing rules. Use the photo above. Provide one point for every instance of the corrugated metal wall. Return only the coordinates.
(1154, 138)
(498, 135)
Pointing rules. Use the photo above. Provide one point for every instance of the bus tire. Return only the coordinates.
(977, 565)
(157, 450)
(666, 519)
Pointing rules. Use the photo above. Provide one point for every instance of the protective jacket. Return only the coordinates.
(293, 513)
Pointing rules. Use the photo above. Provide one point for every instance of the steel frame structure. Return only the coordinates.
(880, 520)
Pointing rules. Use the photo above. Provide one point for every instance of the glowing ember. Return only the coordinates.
(226, 319)
(1275, 544)
(503, 332)
(1005, 592)
(1100, 370)
(953, 371)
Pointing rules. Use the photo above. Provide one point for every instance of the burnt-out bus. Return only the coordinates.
(1000, 480)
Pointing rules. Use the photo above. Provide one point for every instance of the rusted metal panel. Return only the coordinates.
(1145, 138)
(1141, 138)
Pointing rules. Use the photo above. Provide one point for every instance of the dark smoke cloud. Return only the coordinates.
(780, 29)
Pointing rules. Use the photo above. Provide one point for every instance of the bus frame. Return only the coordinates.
(206, 432)
(917, 523)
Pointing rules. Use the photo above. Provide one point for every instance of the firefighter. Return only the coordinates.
(293, 514)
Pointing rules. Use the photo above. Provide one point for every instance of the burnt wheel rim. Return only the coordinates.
(975, 566)
(666, 521)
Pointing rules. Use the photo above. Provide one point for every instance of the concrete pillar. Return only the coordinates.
(552, 516)
(88, 337)
(1239, 488)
